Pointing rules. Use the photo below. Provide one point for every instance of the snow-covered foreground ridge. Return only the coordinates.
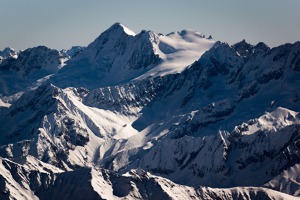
(22, 182)
(148, 116)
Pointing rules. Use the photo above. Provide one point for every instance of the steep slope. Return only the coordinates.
(55, 126)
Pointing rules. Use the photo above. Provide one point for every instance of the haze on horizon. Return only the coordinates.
(62, 24)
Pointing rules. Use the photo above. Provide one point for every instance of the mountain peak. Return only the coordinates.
(242, 44)
(113, 33)
(120, 27)
(245, 49)
(261, 46)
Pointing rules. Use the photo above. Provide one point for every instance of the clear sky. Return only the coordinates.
(63, 23)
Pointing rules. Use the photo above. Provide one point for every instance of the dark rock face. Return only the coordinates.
(144, 56)
(245, 49)
(136, 51)
(138, 61)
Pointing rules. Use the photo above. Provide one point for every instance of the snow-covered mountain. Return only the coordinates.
(151, 116)
(119, 55)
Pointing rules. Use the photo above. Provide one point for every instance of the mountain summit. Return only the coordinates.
(118, 27)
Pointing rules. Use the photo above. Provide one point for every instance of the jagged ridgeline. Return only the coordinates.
(150, 116)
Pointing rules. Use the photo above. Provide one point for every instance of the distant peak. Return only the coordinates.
(243, 48)
(7, 49)
(262, 46)
(242, 43)
(8, 52)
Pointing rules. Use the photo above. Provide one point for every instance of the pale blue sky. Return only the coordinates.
(64, 23)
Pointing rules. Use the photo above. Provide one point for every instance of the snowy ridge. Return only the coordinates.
(127, 30)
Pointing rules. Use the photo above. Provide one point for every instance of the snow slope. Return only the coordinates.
(178, 51)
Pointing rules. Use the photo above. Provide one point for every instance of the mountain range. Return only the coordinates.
(150, 116)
